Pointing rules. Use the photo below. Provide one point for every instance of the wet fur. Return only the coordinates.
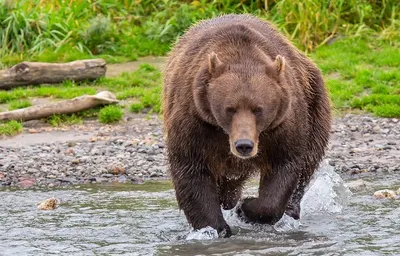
(205, 173)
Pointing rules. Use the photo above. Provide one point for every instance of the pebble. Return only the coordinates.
(385, 193)
(48, 204)
(373, 150)
(356, 185)
(122, 179)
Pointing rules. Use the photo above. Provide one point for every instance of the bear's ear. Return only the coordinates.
(215, 66)
(279, 64)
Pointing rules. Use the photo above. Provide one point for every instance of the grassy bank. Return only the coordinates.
(356, 44)
(138, 91)
(360, 75)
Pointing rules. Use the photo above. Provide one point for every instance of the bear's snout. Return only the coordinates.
(244, 146)
(243, 136)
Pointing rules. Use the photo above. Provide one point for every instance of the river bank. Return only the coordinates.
(134, 151)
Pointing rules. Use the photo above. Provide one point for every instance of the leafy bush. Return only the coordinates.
(135, 28)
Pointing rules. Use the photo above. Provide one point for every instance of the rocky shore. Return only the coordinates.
(133, 151)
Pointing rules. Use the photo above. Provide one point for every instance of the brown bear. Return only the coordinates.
(239, 99)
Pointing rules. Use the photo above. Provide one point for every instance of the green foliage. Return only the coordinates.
(110, 114)
(19, 104)
(10, 128)
(98, 37)
(122, 30)
(312, 23)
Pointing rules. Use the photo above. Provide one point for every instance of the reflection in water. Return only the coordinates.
(124, 219)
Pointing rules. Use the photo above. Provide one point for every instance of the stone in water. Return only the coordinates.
(48, 204)
(385, 193)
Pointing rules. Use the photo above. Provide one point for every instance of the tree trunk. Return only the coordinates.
(32, 73)
(61, 107)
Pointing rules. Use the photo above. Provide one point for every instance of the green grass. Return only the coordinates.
(386, 110)
(17, 104)
(57, 120)
(362, 74)
(142, 86)
(354, 42)
(58, 92)
(110, 114)
(136, 107)
(10, 128)
(60, 31)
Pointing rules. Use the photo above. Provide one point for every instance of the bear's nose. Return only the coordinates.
(244, 146)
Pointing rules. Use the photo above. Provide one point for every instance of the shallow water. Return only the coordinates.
(126, 219)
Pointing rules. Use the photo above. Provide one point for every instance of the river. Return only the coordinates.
(129, 219)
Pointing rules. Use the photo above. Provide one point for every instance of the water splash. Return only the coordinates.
(326, 193)
(286, 224)
(207, 233)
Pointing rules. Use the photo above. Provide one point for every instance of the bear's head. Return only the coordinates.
(244, 99)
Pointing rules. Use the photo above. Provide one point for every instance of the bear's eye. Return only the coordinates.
(230, 110)
(257, 111)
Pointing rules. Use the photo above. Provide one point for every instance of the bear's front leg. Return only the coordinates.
(197, 195)
(274, 194)
(293, 207)
(230, 191)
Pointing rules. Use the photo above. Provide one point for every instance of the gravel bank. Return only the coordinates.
(134, 151)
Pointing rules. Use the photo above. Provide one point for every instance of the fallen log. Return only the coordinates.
(33, 73)
(60, 107)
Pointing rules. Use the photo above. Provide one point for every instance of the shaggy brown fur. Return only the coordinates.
(239, 98)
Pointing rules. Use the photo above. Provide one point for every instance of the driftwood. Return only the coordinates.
(33, 73)
(60, 107)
